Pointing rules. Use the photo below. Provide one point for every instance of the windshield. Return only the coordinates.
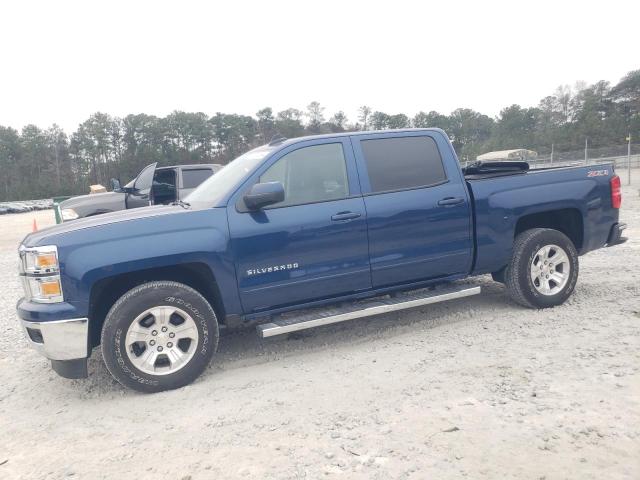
(212, 190)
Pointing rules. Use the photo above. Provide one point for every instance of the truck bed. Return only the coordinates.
(503, 200)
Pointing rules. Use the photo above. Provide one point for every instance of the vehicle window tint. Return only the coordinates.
(164, 186)
(166, 177)
(310, 174)
(402, 162)
(193, 178)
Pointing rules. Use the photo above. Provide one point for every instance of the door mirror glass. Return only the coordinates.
(263, 194)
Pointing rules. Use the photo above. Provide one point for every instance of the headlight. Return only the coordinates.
(39, 270)
(39, 260)
(68, 214)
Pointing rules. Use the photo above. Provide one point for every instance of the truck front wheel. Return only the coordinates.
(543, 269)
(159, 336)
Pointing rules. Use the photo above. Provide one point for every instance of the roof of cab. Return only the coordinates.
(290, 141)
(193, 165)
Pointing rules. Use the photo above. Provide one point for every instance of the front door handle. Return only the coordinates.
(451, 201)
(342, 216)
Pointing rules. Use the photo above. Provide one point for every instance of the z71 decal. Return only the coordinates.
(597, 173)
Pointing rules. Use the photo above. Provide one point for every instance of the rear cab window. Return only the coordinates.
(402, 163)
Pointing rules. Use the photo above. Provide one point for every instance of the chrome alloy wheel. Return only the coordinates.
(161, 340)
(550, 269)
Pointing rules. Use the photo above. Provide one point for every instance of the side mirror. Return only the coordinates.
(263, 194)
(115, 185)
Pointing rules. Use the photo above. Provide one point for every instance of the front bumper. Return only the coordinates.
(64, 342)
(615, 235)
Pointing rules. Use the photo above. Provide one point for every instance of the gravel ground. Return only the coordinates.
(478, 387)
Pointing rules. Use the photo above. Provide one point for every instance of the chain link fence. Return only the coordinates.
(624, 162)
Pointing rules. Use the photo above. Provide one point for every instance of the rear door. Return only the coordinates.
(313, 245)
(418, 212)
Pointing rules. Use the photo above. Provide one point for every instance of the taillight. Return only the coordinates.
(616, 194)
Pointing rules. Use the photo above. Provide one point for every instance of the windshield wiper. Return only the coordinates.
(183, 204)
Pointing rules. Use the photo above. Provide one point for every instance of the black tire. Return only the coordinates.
(135, 302)
(518, 280)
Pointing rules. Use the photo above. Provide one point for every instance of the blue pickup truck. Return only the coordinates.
(305, 232)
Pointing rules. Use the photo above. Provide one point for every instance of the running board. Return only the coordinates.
(364, 308)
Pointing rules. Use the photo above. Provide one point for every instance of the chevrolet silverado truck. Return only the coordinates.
(301, 233)
(152, 186)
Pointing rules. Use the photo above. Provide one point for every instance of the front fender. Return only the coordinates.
(188, 236)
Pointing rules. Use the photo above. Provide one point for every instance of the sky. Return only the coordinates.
(61, 61)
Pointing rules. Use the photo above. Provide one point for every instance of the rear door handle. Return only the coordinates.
(451, 201)
(342, 216)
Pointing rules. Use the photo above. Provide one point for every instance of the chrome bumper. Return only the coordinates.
(59, 339)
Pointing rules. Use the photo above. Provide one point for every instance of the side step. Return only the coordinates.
(363, 308)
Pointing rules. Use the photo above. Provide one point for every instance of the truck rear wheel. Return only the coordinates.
(543, 270)
(159, 336)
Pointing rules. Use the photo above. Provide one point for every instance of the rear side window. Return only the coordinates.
(193, 178)
(402, 162)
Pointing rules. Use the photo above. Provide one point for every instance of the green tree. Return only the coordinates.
(316, 117)
(432, 119)
(266, 125)
(39, 163)
(363, 116)
(57, 145)
(379, 120)
(235, 134)
(468, 131)
(289, 123)
(338, 121)
(516, 127)
(10, 156)
(399, 120)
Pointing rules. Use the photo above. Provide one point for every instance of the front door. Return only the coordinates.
(140, 194)
(417, 207)
(312, 245)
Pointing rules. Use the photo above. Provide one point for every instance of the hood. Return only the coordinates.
(92, 199)
(39, 237)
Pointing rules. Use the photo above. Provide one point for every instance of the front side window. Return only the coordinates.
(401, 163)
(310, 174)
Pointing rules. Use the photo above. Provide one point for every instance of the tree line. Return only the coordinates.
(41, 163)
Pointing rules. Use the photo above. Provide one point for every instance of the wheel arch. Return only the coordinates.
(106, 291)
(566, 220)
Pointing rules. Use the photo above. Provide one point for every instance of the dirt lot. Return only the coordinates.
(476, 388)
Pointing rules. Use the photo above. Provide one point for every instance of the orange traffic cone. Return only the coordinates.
(35, 226)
